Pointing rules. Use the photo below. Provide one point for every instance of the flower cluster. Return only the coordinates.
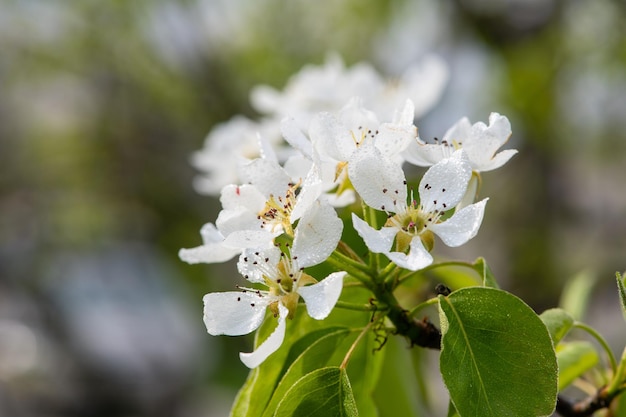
(330, 157)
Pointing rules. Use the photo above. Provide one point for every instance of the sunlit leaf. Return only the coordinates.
(497, 357)
(558, 322)
(488, 279)
(325, 392)
(319, 346)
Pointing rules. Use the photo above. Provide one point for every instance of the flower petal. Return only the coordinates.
(445, 183)
(233, 313)
(269, 345)
(254, 264)
(236, 196)
(330, 137)
(378, 180)
(212, 250)
(317, 235)
(462, 226)
(417, 258)
(378, 241)
(294, 136)
(320, 298)
(266, 175)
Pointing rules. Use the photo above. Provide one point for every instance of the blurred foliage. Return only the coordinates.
(102, 104)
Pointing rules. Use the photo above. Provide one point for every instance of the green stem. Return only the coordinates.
(358, 307)
(619, 376)
(601, 341)
(435, 266)
(353, 268)
(346, 358)
(422, 306)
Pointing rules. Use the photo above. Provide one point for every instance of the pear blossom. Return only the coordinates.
(334, 139)
(237, 313)
(227, 147)
(254, 214)
(411, 224)
(480, 142)
(329, 86)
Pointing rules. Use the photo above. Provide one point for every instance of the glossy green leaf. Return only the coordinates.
(558, 322)
(574, 358)
(256, 392)
(497, 357)
(488, 279)
(622, 292)
(325, 392)
(321, 346)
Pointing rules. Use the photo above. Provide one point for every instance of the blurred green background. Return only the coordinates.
(102, 104)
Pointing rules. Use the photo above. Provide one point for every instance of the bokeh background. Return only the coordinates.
(102, 104)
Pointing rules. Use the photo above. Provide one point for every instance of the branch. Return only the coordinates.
(601, 399)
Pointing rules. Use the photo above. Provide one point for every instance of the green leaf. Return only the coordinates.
(452, 411)
(574, 358)
(256, 392)
(325, 392)
(497, 357)
(398, 392)
(576, 293)
(622, 292)
(320, 348)
(488, 280)
(558, 322)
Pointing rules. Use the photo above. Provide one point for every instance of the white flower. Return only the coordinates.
(228, 146)
(254, 214)
(480, 142)
(239, 313)
(411, 225)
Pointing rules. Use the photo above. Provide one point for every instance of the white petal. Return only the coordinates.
(233, 313)
(210, 234)
(320, 298)
(208, 254)
(311, 190)
(406, 115)
(234, 220)
(378, 180)
(417, 258)
(255, 239)
(378, 241)
(498, 160)
(392, 139)
(462, 226)
(445, 183)
(317, 235)
(267, 176)
(424, 154)
(331, 138)
(269, 345)
(254, 264)
(294, 136)
(212, 250)
(236, 196)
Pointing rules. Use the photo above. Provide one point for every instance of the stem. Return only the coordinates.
(600, 340)
(419, 332)
(346, 358)
(619, 376)
(358, 307)
(435, 266)
(422, 306)
(353, 268)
